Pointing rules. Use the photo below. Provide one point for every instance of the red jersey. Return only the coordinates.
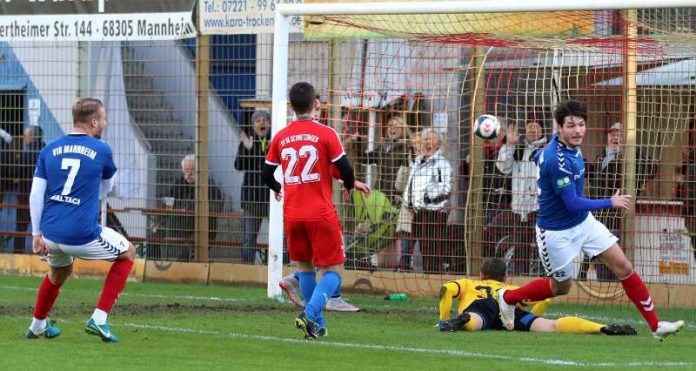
(305, 150)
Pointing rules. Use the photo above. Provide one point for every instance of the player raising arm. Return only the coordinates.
(566, 226)
(477, 309)
(64, 207)
(306, 150)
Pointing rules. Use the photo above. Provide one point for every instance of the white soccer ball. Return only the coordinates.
(487, 127)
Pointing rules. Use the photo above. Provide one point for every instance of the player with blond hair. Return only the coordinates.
(71, 173)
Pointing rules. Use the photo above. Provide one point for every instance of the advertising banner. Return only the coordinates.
(95, 20)
(229, 17)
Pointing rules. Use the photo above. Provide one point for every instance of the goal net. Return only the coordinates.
(403, 89)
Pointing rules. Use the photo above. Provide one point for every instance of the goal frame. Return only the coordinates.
(284, 12)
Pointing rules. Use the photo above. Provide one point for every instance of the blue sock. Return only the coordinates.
(327, 286)
(308, 281)
(337, 294)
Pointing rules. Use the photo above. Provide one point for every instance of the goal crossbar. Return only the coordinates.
(474, 6)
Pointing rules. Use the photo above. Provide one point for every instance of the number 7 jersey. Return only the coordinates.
(73, 167)
(305, 150)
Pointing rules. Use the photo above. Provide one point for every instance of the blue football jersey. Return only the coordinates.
(73, 166)
(560, 167)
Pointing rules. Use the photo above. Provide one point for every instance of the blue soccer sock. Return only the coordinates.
(329, 283)
(308, 281)
(337, 294)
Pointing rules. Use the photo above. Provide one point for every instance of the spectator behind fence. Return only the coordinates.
(496, 190)
(405, 219)
(427, 193)
(390, 157)
(605, 176)
(517, 160)
(496, 185)
(687, 194)
(354, 139)
(33, 143)
(255, 195)
(181, 226)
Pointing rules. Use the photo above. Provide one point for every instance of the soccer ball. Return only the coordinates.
(487, 127)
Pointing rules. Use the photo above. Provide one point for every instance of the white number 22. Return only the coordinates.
(306, 176)
(72, 165)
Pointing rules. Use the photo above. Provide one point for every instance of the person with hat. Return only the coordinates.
(255, 196)
(605, 175)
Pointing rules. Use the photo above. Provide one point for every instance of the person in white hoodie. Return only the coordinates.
(427, 193)
(516, 158)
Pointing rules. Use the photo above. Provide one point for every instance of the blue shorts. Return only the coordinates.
(490, 313)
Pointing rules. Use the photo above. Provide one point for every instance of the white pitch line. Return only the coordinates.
(458, 353)
(162, 296)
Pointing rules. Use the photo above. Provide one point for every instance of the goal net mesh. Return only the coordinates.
(402, 91)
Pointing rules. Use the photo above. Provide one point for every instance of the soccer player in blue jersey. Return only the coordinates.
(565, 226)
(64, 205)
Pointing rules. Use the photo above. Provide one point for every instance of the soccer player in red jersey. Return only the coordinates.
(306, 150)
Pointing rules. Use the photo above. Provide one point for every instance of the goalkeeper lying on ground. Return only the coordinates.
(477, 309)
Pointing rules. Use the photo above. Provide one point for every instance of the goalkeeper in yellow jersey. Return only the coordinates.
(477, 308)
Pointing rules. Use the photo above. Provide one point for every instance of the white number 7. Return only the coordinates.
(73, 165)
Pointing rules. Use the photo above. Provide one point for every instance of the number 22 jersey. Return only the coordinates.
(305, 150)
(73, 166)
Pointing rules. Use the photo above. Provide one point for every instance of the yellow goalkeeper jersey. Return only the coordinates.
(467, 290)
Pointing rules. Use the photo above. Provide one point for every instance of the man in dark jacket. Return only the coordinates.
(687, 194)
(33, 143)
(605, 176)
(255, 196)
(183, 191)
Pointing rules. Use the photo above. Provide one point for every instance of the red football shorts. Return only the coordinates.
(318, 241)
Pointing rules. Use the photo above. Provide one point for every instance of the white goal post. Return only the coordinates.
(281, 48)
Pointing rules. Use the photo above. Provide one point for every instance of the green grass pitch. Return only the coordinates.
(193, 327)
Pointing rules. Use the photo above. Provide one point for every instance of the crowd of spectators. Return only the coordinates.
(410, 166)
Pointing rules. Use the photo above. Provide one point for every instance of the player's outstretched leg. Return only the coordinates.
(507, 311)
(535, 290)
(665, 329)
